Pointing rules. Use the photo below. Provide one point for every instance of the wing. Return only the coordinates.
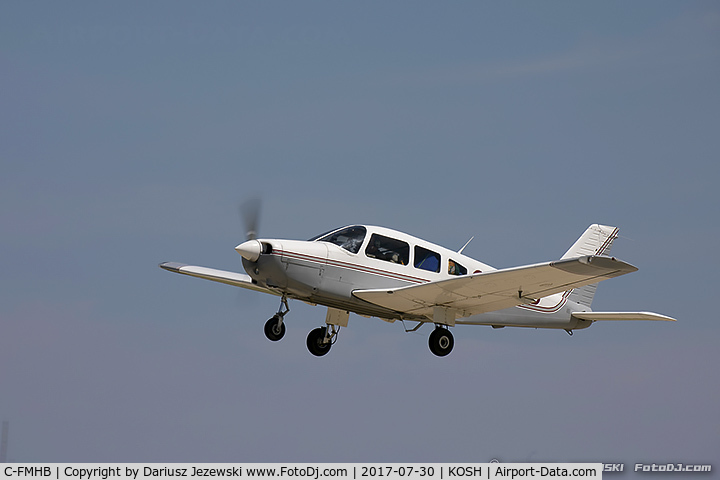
(598, 316)
(499, 289)
(221, 276)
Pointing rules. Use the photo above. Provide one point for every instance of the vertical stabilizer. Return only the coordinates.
(597, 240)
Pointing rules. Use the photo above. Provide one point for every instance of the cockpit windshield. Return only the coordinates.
(349, 238)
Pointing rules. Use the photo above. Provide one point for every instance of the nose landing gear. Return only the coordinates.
(275, 328)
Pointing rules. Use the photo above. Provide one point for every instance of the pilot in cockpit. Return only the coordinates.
(372, 250)
(353, 240)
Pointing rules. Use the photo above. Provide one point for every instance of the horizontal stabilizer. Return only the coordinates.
(601, 316)
(221, 276)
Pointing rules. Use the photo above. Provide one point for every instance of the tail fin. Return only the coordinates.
(597, 240)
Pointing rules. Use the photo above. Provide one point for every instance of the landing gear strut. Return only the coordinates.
(441, 341)
(320, 340)
(275, 328)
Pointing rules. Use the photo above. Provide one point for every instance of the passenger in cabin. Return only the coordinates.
(455, 268)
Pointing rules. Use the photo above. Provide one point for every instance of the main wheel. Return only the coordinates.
(441, 341)
(315, 342)
(274, 330)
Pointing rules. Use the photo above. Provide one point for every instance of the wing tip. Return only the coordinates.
(658, 316)
(172, 266)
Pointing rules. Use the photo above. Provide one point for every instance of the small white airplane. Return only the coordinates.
(378, 272)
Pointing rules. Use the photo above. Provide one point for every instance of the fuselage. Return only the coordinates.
(327, 269)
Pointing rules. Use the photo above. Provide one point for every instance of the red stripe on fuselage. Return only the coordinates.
(349, 266)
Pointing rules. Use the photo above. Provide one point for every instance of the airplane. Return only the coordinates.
(379, 272)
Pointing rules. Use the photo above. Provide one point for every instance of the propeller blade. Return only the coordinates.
(250, 211)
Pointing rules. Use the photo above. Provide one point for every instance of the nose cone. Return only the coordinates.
(250, 250)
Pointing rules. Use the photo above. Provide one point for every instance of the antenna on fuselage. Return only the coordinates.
(466, 244)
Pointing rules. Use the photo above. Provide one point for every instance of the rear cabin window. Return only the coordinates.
(455, 268)
(427, 259)
(388, 249)
(350, 238)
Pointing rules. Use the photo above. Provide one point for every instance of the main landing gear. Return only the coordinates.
(320, 340)
(441, 341)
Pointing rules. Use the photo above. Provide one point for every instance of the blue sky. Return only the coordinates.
(130, 133)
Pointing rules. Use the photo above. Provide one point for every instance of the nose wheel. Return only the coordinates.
(441, 341)
(275, 327)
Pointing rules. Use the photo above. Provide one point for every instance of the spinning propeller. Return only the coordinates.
(251, 249)
(250, 212)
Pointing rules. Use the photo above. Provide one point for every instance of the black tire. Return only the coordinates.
(441, 341)
(273, 331)
(315, 342)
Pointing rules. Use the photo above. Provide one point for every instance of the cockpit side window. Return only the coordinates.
(455, 268)
(350, 238)
(388, 249)
(427, 259)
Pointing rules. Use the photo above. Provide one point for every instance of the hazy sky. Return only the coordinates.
(130, 132)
